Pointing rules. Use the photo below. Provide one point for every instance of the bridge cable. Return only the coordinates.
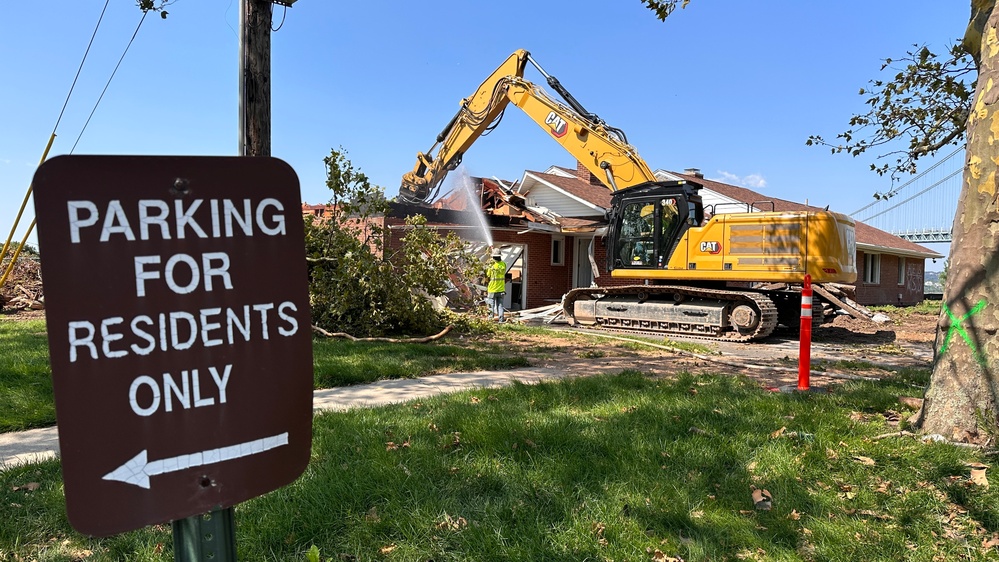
(900, 203)
(906, 184)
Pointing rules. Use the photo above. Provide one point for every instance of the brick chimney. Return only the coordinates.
(584, 174)
(696, 172)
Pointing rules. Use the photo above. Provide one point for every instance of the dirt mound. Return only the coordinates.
(911, 327)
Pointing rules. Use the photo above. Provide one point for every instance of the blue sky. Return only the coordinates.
(728, 86)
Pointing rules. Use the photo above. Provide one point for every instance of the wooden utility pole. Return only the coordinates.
(254, 78)
(212, 536)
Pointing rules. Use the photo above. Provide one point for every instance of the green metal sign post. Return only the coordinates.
(209, 536)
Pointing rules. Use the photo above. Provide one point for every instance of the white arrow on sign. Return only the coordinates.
(138, 470)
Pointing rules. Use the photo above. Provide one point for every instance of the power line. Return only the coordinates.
(78, 70)
(113, 72)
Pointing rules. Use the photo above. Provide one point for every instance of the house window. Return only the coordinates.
(872, 269)
(901, 271)
(558, 250)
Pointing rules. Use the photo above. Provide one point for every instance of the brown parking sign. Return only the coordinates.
(179, 333)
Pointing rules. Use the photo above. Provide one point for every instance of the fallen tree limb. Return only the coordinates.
(345, 335)
(902, 433)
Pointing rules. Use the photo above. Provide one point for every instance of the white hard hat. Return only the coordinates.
(497, 254)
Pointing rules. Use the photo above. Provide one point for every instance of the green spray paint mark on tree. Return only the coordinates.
(956, 326)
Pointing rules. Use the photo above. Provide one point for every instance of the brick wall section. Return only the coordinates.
(583, 173)
(888, 290)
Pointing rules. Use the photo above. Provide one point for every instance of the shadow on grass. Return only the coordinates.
(608, 467)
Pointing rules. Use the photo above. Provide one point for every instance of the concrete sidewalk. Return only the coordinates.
(37, 445)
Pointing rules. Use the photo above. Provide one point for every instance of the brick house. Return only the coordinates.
(551, 227)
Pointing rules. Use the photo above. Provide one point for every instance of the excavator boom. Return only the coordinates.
(602, 149)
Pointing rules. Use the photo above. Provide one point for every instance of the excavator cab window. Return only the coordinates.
(646, 233)
(636, 235)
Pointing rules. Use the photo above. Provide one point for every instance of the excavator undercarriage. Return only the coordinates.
(726, 314)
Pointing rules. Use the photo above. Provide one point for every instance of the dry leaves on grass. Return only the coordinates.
(866, 461)
(392, 445)
(762, 500)
(660, 556)
(449, 523)
(29, 487)
(978, 476)
(598, 528)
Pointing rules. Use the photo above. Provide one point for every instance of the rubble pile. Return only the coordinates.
(23, 288)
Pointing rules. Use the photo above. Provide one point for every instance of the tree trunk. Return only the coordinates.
(962, 401)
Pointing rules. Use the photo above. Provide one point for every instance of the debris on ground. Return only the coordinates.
(762, 499)
(23, 288)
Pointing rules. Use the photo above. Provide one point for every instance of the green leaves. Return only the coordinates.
(365, 282)
(154, 6)
(663, 8)
(921, 109)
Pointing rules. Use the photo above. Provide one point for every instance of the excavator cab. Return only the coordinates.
(647, 221)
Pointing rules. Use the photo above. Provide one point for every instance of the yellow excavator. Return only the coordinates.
(730, 276)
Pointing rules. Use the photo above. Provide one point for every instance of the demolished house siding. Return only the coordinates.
(544, 284)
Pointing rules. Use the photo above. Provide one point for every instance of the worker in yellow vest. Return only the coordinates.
(497, 287)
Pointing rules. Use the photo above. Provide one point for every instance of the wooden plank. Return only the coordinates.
(852, 311)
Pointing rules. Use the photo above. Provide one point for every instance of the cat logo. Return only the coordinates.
(710, 247)
(556, 124)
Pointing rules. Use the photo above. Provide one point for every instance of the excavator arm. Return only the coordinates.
(602, 149)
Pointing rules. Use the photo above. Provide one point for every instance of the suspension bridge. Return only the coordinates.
(921, 209)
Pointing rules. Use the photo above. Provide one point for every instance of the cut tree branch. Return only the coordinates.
(345, 335)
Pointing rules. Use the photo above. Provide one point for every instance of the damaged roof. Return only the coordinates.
(495, 200)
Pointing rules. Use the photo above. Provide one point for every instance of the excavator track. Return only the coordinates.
(693, 312)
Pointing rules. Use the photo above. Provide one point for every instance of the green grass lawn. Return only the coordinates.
(26, 399)
(25, 378)
(339, 362)
(606, 468)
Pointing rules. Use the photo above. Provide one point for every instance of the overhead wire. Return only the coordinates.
(113, 72)
(80, 69)
(62, 111)
(284, 14)
(17, 220)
